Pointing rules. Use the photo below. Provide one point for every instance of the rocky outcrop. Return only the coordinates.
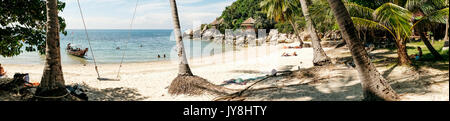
(188, 34)
(245, 38)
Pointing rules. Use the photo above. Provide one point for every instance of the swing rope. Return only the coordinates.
(87, 37)
(126, 44)
(129, 38)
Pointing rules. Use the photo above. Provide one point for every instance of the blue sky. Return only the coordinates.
(151, 14)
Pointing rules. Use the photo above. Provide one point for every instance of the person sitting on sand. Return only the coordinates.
(420, 53)
(295, 54)
(2, 71)
(417, 56)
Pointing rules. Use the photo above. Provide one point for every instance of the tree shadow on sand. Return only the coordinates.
(333, 83)
(310, 92)
(113, 94)
(420, 85)
(311, 84)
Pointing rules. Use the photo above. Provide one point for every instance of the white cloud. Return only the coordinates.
(153, 14)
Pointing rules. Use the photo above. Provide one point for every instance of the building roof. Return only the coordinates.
(249, 22)
(217, 21)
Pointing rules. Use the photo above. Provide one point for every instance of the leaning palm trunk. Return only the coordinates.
(296, 32)
(52, 82)
(374, 86)
(430, 47)
(320, 58)
(186, 82)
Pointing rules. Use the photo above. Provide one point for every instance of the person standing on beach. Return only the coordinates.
(164, 55)
(159, 56)
(2, 71)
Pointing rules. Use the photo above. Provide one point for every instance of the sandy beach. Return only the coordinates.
(149, 81)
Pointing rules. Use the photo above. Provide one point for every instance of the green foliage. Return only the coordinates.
(284, 27)
(322, 16)
(23, 23)
(281, 10)
(397, 18)
(241, 10)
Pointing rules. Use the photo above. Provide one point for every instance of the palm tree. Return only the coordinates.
(281, 11)
(374, 86)
(186, 82)
(320, 58)
(52, 82)
(391, 17)
(397, 21)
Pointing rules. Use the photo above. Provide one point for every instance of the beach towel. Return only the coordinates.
(241, 81)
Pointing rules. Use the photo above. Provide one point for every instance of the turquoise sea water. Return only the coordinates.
(144, 46)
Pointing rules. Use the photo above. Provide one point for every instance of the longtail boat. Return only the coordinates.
(76, 51)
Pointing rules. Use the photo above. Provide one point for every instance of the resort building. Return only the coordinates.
(248, 24)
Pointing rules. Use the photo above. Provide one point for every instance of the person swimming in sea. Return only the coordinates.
(159, 56)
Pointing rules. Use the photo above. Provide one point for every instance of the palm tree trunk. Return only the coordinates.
(430, 47)
(446, 30)
(186, 82)
(320, 58)
(183, 66)
(296, 32)
(52, 82)
(374, 86)
(403, 58)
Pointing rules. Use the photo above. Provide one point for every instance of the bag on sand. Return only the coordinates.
(78, 91)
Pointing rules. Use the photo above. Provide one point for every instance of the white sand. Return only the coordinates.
(151, 79)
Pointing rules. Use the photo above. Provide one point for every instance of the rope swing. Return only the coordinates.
(92, 50)
(129, 38)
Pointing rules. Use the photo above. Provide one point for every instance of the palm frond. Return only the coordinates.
(440, 3)
(362, 23)
(439, 16)
(414, 4)
(357, 10)
(391, 14)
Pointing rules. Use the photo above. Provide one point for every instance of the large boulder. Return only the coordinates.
(282, 38)
(305, 36)
(274, 38)
(273, 35)
(197, 34)
(208, 34)
(240, 40)
(251, 39)
(188, 32)
(229, 38)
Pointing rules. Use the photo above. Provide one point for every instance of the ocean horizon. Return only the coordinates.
(108, 45)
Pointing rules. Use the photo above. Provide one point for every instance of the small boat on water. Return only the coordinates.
(76, 51)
